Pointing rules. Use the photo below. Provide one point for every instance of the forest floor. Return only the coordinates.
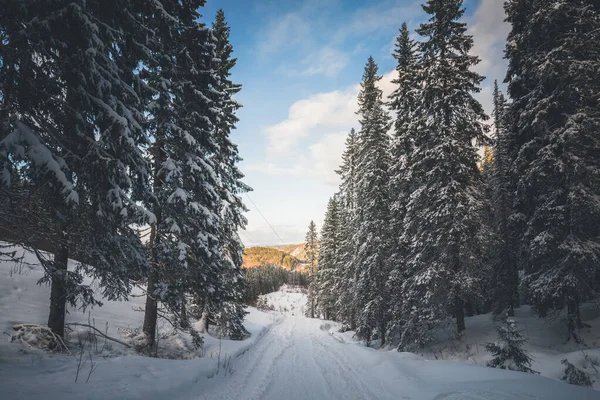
(287, 356)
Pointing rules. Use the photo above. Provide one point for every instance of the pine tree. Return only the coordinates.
(185, 246)
(553, 50)
(345, 267)
(230, 311)
(372, 204)
(164, 76)
(329, 253)
(508, 350)
(72, 129)
(403, 101)
(504, 280)
(311, 248)
(443, 222)
(347, 172)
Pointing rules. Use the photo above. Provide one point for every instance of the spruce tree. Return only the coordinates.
(553, 52)
(185, 247)
(345, 267)
(230, 311)
(443, 221)
(403, 102)
(72, 129)
(508, 350)
(329, 253)
(504, 279)
(164, 77)
(311, 248)
(372, 204)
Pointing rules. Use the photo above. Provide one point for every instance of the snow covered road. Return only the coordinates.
(300, 359)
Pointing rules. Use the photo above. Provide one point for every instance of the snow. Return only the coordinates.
(41, 157)
(287, 356)
(547, 342)
(121, 372)
(288, 300)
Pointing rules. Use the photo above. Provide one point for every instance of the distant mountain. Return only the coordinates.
(261, 256)
(296, 250)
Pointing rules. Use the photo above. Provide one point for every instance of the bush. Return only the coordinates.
(574, 375)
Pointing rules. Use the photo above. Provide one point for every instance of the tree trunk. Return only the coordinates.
(151, 311)
(460, 313)
(382, 334)
(204, 320)
(184, 319)
(515, 288)
(574, 319)
(58, 292)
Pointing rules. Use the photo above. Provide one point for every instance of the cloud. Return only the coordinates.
(489, 32)
(326, 157)
(314, 23)
(318, 113)
(326, 118)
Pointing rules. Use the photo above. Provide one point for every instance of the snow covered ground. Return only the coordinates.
(288, 300)
(547, 345)
(120, 373)
(288, 356)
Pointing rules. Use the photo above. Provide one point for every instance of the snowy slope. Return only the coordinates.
(22, 300)
(288, 356)
(289, 300)
(548, 343)
(120, 372)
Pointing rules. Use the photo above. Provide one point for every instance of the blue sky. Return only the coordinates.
(300, 63)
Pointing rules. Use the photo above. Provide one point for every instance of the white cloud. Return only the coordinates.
(489, 32)
(326, 118)
(262, 234)
(386, 85)
(319, 113)
(322, 113)
(326, 157)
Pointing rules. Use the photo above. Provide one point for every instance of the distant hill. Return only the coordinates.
(260, 256)
(296, 250)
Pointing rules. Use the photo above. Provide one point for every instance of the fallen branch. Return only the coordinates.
(59, 341)
(101, 334)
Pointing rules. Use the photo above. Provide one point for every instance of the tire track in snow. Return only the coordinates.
(268, 379)
(331, 359)
(249, 366)
(324, 374)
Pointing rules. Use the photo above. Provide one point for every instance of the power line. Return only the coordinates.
(261, 214)
(247, 237)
